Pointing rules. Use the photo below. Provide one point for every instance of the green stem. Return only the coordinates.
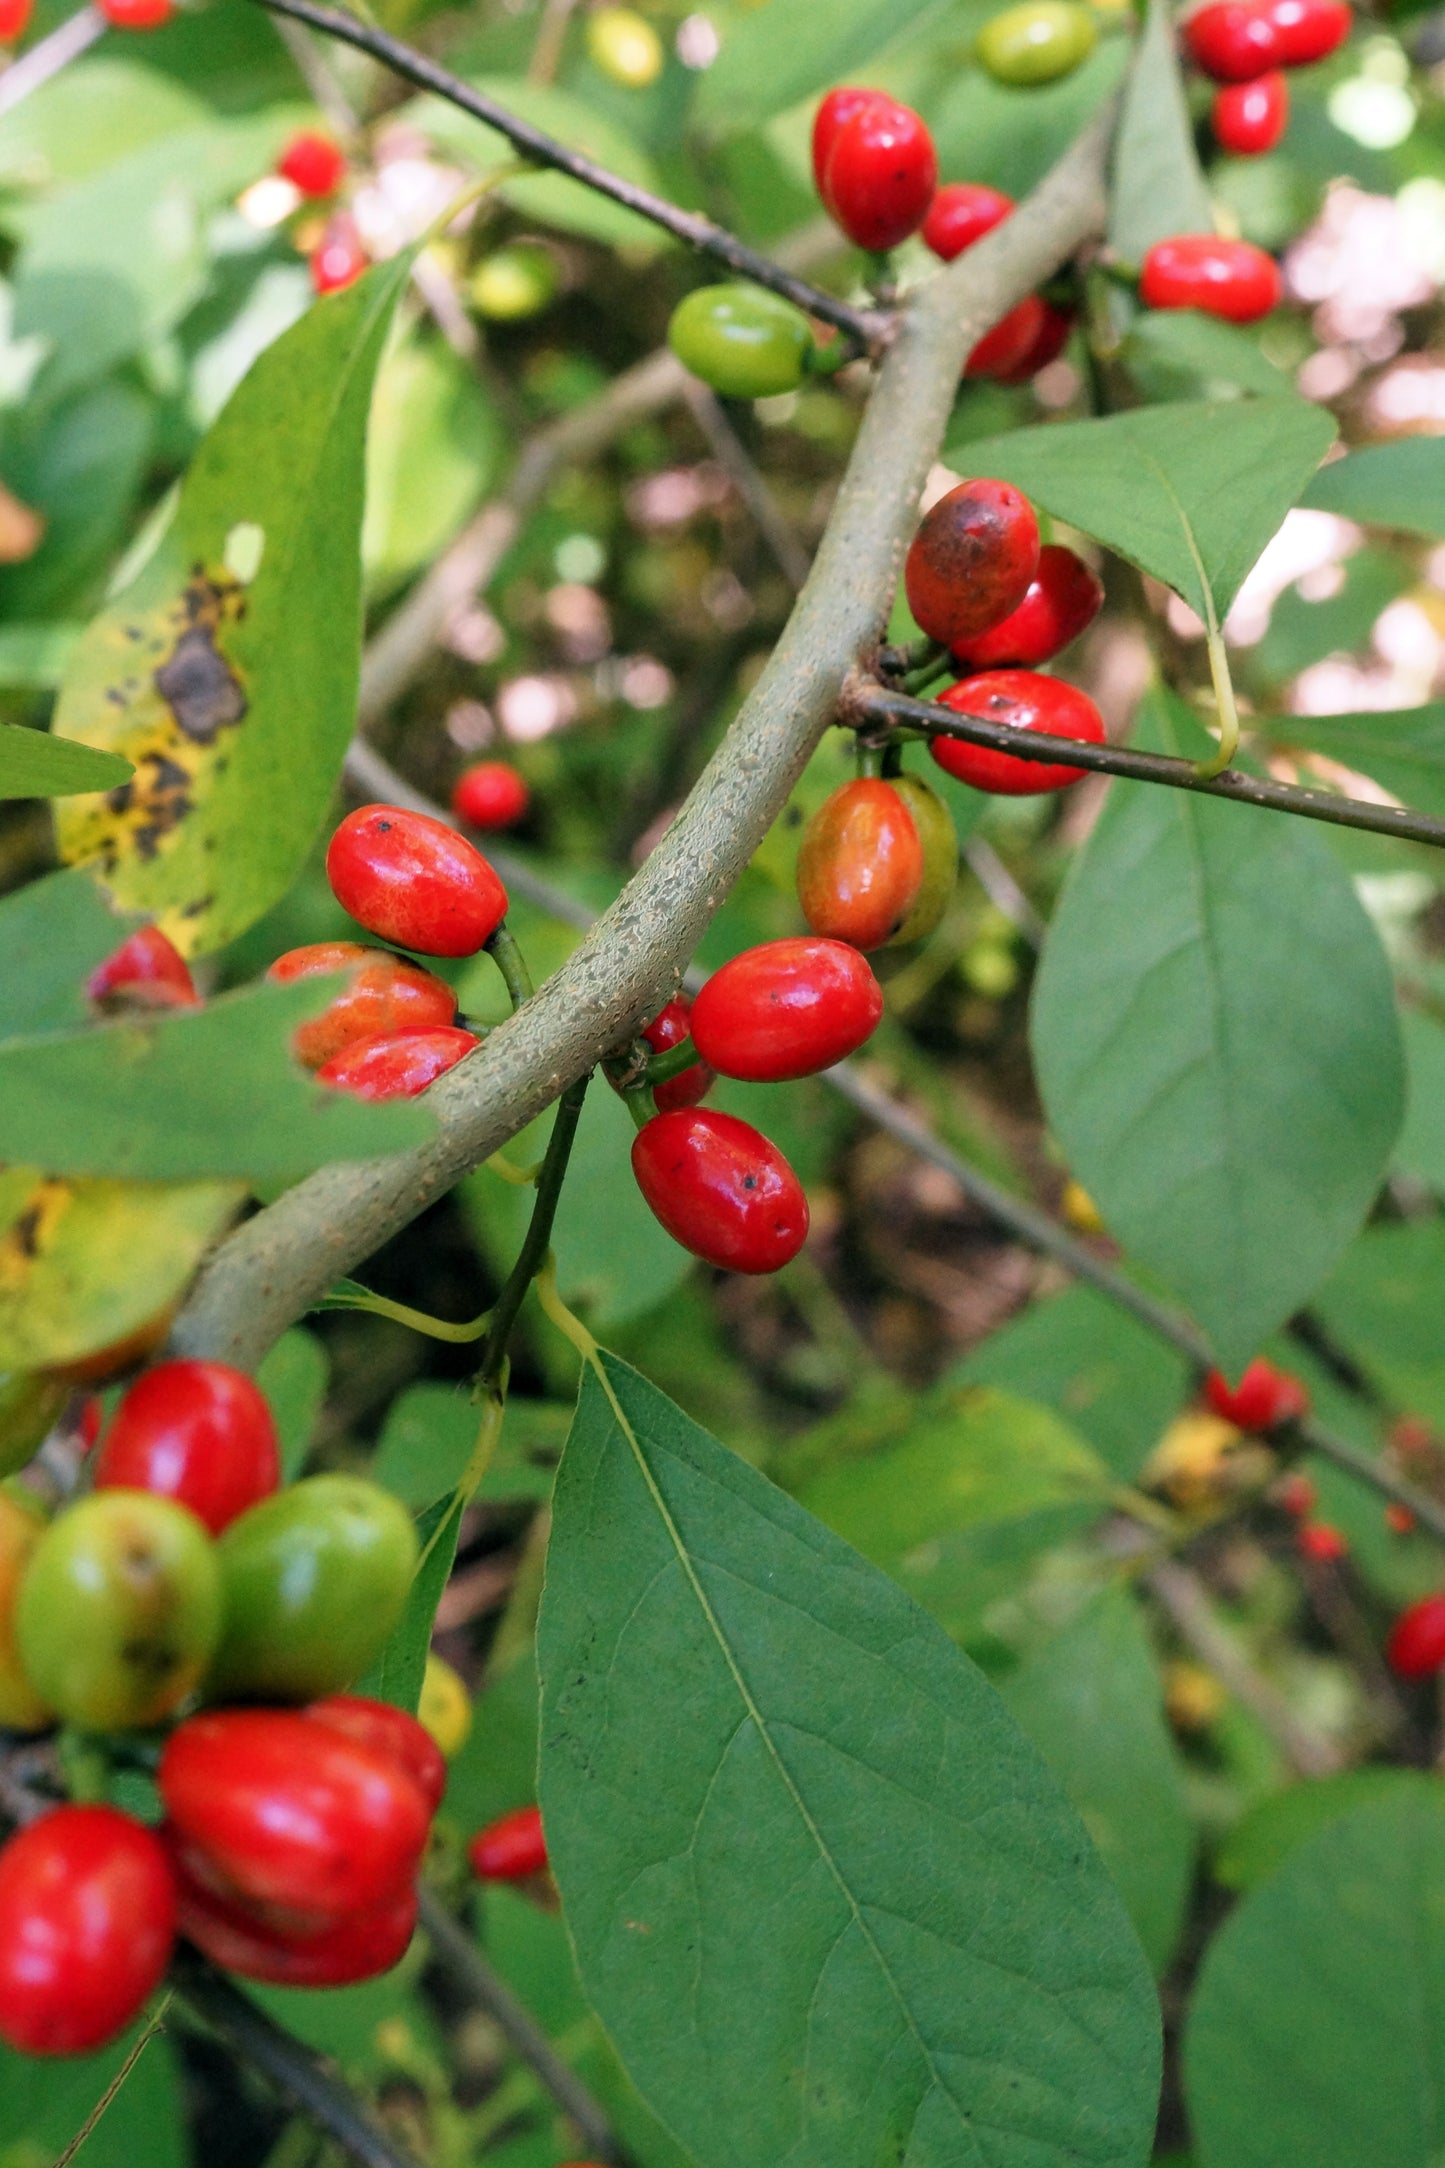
(85, 1765)
(533, 1253)
(663, 1067)
(869, 759)
(640, 1104)
(1228, 745)
(509, 960)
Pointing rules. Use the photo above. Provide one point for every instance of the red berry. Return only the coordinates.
(1250, 118)
(88, 1421)
(510, 1849)
(1308, 30)
(1416, 1647)
(839, 106)
(270, 1809)
(340, 258)
(136, 14)
(396, 1064)
(669, 1028)
(1233, 40)
(359, 1947)
(786, 1009)
(1050, 340)
(392, 1733)
(490, 794)
(1003, 351)
(1322, 1542)
(971, 560)
(413, 880)
(962, 213)
(1411, 1437)
(1232, 279)
(880, 176)
(87, 1921)
(1063, 597)
(721, 1189)
(313, 163)
(14, 19)
(147, 970)
(861, 865)
(1025, 701)
(383, 993)
(198, 1432)
(1400, 1520)
(1264, 1397)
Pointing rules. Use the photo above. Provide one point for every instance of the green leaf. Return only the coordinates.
(43, 2105)
(1302, 632)
(429, 1434)
(1402, 748)
(1183, 344)
(435, 444)
(1090, 1700)
(184, 1093)
(826, 1899)
(1158, 188)
(1382, 1302)
(1387, 485)
(1189, 493)
(35, 765)
(293, 1378)
(1216, 1043)
(397, 1674)
(81, 463)
(1421, 1149)
(91, 114)
(771, 57)
(1259, 1845)
(1318, 2027)
(33, 658)
(232, 684)
(53, 933)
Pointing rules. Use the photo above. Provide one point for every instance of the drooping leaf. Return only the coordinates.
(184, 1093)
(228, 670)
(1258, 1846)
(1090, 1700)
(53, 933)
(771, 57)
(1402, 748)
(1190, 493)
(1157, 187)
(1317, 2031)
(397, 1674)
(827, 1900)
(1387, 485)
(1382, 1304)
(1216, 1043)
(83, 1264)
(33, 764)
(44, 2103)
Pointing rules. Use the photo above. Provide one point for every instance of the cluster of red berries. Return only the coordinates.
(1266, 1399)
(316, 167)
(1245, 46)
(290, 1835)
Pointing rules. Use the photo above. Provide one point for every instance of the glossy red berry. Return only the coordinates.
(721, 1189)
(14, 19)
(1050, 339)
(314, 164)
(147, 971)
(270, 1809)
(339, 258)
(961, 213)
(1064, 596)
(786, 1009)
(382, 993)
(669, 1028)
(413, 880)
(1250, 118)
(359, 1947)
(1232, 279)
(198, 1432)
(1323, 1542)
(393, 1733)
(971, 560)
(397, 1064)
(136, 14)
(490, 794)
(880, 175)
(1003, 352)
(861, 866)
(1024, 701)
(839, 106)
(1309, 30)
(1233, 40)
(1264, 1397)
(87, 1923)
(511, 1849)
(1416, 1647)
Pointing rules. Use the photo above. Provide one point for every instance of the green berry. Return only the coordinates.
(742, 340)
(1036, 42)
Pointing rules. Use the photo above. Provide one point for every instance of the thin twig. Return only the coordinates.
(138, 2047)
(867, 329)
(875, 704)
(731, 453)
(75, 35)
(456, 1950)
(538, 1236)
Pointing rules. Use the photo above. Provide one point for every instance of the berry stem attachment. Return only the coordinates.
(509, 960)
(1228, 745)
(534, 1250)
(639, 1102)
(85, 1765)
(663, 1067)
(347, 1295)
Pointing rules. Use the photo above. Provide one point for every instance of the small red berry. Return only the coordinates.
(396, 1064)
(669, 1028)
(839, 106)
(1264, 1397)
(490, 794)
(147, 970)
(1322, 1542)
(1064, 596)
(1049, 342)
(1250, 118)
(1233, 40)
(961, 213)
(1296, 1495)
(1025, 701)
(383, 993)
(1416, 1647)
(314, 164)
(14, 19)
(136, 14)
(786, 1009)
(880, 176)
(511, 1849)
(721, 1189)
(198, 1432)
(340, 258)
(393, 1733)
(971, 561)
(87, 1923)
(1308, 30)
(1400, 1520)
(1002, 352)
(1411, 1437)
(413, 880)
(240, 1940)
(1232, 279)
(861, 865)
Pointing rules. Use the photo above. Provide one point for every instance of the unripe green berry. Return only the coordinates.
(513, 283)
(742, 340)
(1036, 42)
